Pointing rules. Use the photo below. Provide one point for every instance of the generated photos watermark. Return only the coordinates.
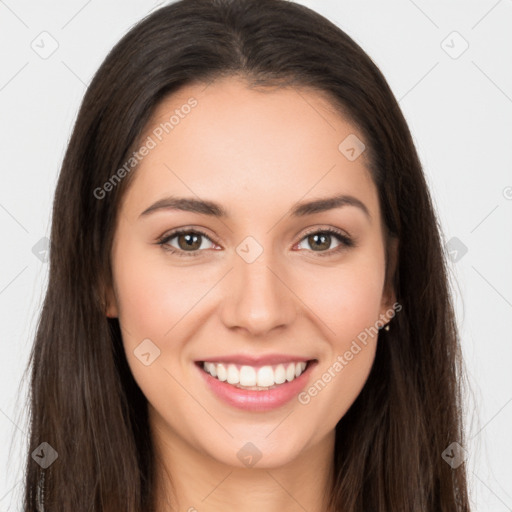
(150, 143)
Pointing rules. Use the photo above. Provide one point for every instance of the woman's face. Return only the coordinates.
(259, 289)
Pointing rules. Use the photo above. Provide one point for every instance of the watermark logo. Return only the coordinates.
(41, 249)
(45, 455)
(249, 454)
(351, 147)
(454, 455)
(249, 249)
(146, 352)
(45, 45)
(454, 45)
(456, 249)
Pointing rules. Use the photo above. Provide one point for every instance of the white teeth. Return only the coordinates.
(222, 373)
(210, 368)
(266, 376)
(247, 376)
(233, 374)
(279, 374)
(250, 377)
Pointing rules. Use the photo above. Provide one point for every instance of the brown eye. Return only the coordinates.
(320, 241)
(188, 241)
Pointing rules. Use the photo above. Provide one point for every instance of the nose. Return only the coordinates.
(258, 299)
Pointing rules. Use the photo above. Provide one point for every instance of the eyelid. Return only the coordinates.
(326, 229)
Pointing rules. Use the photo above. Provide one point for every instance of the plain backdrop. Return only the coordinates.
(448, 64)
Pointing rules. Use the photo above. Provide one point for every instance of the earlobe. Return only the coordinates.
(111, 312)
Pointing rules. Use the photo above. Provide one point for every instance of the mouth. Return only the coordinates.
(256, 386)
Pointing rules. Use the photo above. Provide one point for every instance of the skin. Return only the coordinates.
(256, 152)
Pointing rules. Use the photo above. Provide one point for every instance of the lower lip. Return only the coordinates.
(251, 400)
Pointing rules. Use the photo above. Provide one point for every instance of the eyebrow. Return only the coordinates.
(300, 209)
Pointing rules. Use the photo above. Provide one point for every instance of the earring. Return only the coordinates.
(386, 327)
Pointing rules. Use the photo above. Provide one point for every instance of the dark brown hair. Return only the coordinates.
(84, 401)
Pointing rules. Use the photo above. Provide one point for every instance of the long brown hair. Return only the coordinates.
(84, 401)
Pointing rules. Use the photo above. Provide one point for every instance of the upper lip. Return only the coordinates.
(260, 360)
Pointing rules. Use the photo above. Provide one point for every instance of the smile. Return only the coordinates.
(255, 378)
(256, 388)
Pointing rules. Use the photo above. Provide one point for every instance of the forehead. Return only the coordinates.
(262, 148)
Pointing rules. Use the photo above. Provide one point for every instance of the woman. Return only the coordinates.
(248, 305)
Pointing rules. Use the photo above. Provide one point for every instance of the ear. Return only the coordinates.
(111, 309)
(389, 292)
(109, 302)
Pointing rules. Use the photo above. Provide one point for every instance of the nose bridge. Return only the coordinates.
(257, 298)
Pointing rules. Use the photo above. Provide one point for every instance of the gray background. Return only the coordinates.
(457, 101)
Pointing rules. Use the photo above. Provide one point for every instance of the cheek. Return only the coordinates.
(158, 301)
(154, 296)
(348, 297)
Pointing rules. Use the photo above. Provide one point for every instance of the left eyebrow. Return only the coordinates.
(216, 210)
(328, 203)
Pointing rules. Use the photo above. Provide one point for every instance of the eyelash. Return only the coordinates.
(346, 242)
